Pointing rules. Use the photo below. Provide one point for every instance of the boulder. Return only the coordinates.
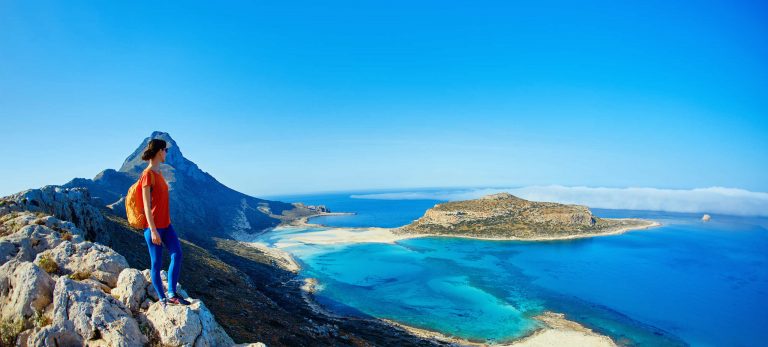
(192, 325)
(24, 289)
(131, 289)
(151, 293)
(61, 334)
(98, 261)
(98, 318)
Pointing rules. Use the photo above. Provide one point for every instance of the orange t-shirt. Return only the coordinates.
(159, 198)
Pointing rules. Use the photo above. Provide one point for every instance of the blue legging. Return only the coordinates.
(170, 240)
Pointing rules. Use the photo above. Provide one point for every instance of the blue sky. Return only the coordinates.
(289, 97)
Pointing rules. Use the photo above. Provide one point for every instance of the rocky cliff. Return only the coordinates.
(58, 289)
(505, 216)
(201, 206)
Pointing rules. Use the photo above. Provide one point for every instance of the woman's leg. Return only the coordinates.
(156, 259)
(171, 240)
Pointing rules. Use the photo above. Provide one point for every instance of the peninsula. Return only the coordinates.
(500, 216)
(504, 216)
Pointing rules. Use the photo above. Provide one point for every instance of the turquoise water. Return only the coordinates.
(686, 283)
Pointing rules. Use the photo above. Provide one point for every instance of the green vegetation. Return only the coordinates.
(79, 275)
(48, 265)
(66, 235)
(10, 330)
(40, 320)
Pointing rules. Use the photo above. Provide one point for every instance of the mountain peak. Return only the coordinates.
(157, 133)
(133, 164)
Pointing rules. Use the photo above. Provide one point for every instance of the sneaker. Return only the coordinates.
(177, 300)
(164, 302)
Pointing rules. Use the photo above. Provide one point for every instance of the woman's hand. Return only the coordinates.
(155, 236)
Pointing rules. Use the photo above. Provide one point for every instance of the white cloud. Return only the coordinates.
(719, 200)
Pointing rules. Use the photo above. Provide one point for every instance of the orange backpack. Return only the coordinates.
(134, 204)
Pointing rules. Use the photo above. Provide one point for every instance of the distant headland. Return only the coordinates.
(504, 216)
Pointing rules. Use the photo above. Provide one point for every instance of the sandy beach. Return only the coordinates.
(281, 258)
(557, 331)
(334, 235)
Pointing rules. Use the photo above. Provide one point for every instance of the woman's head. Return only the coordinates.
(155, 150)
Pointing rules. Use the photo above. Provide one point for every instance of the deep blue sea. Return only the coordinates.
(685, 283)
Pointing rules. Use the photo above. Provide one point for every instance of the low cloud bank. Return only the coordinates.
(718, 200)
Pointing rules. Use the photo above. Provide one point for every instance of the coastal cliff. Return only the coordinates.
(505, 216)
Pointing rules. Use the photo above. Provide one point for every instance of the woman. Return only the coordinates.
(158, 227)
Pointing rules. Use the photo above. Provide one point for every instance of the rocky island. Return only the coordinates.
(504, 216)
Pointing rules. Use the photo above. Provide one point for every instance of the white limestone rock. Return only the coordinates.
(101, 262)
(71, 204)
(61, 334)
(24, 289)
(189, 326)
(29, 235)
(97, 317)
(131, 289)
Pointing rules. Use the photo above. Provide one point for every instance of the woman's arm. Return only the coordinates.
(147, 197)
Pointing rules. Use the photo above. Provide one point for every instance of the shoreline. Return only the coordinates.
(557, 330)
(617, 231)
(304, 221)
(336, 235)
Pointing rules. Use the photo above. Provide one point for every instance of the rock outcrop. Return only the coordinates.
(69, 204)
(505, 216)
(96, 315)
(56, 289)
(186, 326)
(24, 289)
(87, 258)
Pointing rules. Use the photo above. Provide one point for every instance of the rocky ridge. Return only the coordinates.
(58, 289)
